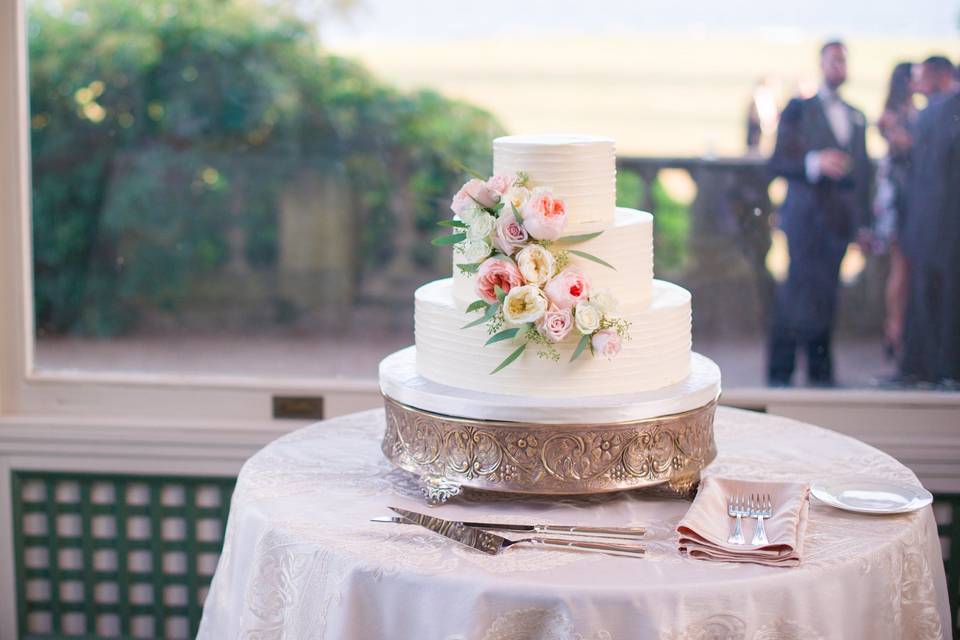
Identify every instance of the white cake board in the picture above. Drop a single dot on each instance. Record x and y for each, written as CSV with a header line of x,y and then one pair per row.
x,y
400,381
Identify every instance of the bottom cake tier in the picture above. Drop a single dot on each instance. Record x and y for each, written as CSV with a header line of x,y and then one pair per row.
x,y
532,456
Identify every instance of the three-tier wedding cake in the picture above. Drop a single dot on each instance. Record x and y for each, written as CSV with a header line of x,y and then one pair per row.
x,y
551,337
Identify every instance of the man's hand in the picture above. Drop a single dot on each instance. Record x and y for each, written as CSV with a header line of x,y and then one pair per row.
x,y
834,163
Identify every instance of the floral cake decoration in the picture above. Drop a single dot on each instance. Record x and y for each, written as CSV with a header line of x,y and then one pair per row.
x,y
509,235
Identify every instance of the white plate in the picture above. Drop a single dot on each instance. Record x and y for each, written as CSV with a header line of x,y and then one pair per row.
x,y
867,495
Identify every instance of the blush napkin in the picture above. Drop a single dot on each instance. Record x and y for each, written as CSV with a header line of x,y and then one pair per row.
x,y
704,530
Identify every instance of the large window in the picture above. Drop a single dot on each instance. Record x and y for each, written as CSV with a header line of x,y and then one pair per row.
x,y
248,188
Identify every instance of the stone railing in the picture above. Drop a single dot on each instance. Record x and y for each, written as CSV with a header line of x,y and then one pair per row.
x,y
731,222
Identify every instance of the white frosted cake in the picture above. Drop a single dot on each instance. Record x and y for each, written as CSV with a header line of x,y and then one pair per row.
x,y
552,294
551,362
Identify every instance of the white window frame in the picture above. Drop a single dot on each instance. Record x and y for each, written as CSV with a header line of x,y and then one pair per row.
x,y
233,402
71,395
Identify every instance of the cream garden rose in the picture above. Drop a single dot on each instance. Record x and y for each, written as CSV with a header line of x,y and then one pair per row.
x,y
515,197
604,300
587,318
536,264
524,304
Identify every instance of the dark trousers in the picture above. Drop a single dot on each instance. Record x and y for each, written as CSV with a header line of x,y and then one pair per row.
x,y
805,307
931,332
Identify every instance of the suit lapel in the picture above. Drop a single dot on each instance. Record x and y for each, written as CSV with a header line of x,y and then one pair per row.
x,y
821,116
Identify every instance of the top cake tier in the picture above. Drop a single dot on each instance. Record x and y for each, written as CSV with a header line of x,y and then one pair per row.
x,y
580,170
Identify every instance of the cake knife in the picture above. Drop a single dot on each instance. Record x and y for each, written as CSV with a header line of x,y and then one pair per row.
x,y
614,533
493,544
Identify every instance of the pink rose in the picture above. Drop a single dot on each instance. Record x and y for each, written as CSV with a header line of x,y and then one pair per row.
x,y
509,234
493,273
567,288
543,215
606,342
500,184
472,193
556,324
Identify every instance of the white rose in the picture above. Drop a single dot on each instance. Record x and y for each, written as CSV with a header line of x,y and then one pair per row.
x,y
605,301
471,212
524,304
587,317
475,250
481,226
536,264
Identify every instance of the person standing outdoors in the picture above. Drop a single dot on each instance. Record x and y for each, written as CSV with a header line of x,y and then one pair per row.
x,y
896,125
925,238
821,151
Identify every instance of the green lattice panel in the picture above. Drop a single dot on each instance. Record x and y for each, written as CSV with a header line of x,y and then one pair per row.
x,y
115,556
947,509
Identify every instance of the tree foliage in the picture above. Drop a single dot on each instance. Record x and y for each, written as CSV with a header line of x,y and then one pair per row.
x,y
159,125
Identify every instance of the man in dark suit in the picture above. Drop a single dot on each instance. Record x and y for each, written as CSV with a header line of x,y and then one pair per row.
x,y
821,151
929,237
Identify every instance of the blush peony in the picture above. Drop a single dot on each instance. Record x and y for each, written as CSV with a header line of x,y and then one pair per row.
x,y
493,273
606,343
543,215
567,288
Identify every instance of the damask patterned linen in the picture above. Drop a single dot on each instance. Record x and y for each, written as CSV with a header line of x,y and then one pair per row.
x,y
302,561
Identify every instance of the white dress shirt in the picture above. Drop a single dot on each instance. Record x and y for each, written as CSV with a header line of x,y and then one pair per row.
x,y
840,121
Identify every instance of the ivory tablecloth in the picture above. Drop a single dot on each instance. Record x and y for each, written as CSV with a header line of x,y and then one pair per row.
x,y
301,559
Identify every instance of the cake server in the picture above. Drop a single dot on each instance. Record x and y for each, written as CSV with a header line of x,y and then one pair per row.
x,y
493,544
614,533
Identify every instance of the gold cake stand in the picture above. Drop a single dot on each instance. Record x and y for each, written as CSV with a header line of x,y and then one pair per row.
x,y
665,453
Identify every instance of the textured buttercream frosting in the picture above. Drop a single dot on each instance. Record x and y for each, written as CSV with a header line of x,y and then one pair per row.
x,y
580,170
657,355
627,246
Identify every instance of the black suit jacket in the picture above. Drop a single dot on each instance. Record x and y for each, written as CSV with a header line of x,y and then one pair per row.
x,y
838,207
930,231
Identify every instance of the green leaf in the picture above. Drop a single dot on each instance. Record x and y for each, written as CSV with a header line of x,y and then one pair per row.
x,y
469,267
453,223
501,294
506,334
589,256
473,174
476,305
516,213
453,238
510,358
583,237
584,341
487,315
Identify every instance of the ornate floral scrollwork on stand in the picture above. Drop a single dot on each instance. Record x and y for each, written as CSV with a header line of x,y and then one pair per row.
x,y
449,453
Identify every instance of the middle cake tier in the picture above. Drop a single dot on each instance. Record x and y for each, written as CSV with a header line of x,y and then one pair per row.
x,y
657,355
627,245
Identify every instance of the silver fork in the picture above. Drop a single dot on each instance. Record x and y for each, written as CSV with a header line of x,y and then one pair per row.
x,y
761,506
737,508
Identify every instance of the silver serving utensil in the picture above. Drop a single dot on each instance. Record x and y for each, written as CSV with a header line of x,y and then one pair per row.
x,y
737,508
761,506
493,544
612,533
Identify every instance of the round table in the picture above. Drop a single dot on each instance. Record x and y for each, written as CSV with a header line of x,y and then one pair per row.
x,y
302,560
